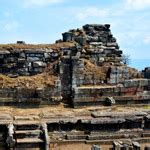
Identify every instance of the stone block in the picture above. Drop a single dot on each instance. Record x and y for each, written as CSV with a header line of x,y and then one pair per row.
x,y
136,146
37,64
68,36
112,44
96,147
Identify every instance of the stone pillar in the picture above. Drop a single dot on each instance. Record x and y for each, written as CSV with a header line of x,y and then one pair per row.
x,y
46,136
77,72
10,138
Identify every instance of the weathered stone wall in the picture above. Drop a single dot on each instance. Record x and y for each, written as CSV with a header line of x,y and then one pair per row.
x,y
146,72
89,71
128,92
45,95
25,62
98,43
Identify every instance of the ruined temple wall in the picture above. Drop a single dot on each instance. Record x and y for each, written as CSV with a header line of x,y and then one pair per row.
x,y
128,92
45,95
25,61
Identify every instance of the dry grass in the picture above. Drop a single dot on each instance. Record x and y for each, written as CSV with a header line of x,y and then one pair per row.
x,y
134,73
99,72
32,82
56,46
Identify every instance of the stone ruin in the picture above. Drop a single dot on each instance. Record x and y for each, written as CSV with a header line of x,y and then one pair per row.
x,y
85,68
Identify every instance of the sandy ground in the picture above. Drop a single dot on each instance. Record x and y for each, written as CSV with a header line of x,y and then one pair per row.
x,y
64,109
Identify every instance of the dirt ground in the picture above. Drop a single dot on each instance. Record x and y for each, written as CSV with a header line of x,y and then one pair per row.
x,y
63,109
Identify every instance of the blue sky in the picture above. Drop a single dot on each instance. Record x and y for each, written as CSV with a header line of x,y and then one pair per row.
x,y
43,21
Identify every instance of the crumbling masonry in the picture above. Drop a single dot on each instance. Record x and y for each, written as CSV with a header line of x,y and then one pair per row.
x,y
85,68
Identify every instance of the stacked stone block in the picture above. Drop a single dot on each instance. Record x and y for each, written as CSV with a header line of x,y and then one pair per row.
x,y
128,92
118,74
98,46
25,61
146,72
38,96
98,42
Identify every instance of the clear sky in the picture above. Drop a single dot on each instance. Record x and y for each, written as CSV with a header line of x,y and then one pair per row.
x,y
43,21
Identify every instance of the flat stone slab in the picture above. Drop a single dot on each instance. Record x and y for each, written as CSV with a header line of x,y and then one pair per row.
x,y
28,118
6,116
29,140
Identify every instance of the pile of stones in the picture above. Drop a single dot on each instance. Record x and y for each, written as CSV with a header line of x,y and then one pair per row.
x,y
98,42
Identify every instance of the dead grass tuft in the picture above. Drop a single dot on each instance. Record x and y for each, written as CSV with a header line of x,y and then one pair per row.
x,y
99,72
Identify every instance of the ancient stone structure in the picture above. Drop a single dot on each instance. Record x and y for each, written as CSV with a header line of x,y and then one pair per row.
x,y
86,71
85,68
48,131
98,70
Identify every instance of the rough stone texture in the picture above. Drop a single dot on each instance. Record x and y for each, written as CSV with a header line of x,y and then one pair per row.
x,y
85,68
146,72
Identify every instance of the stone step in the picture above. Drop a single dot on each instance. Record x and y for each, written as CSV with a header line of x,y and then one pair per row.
x,y
5,116
6,99
143,140
113,136
28,133
26,122
146,134
29,140
27,118
27,125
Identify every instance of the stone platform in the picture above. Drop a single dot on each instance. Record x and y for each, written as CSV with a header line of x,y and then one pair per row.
x,y
55,127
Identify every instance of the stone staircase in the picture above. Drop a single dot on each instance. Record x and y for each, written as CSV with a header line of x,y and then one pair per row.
x,y
29,135
25,133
